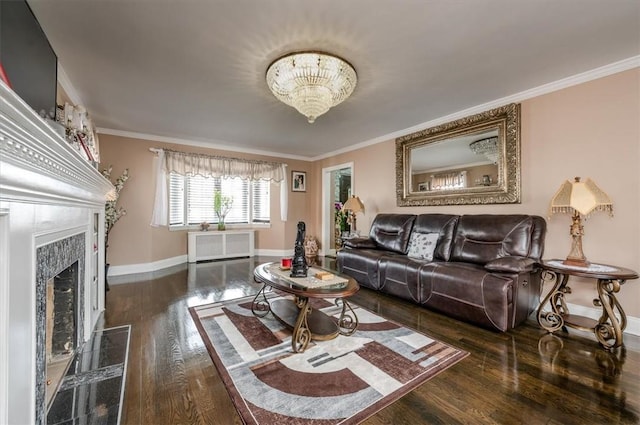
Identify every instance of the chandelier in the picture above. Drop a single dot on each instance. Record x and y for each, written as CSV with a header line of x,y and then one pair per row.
x,y
311,82
487,147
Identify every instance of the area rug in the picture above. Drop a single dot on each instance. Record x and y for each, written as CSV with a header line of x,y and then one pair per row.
x,y
340,381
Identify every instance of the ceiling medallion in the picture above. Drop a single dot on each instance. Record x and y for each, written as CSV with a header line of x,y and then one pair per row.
x,y
311,82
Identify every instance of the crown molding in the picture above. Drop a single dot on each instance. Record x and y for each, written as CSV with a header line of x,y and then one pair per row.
x,y
203,144
594,74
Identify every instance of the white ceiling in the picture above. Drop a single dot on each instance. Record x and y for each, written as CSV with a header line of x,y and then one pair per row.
x,y
195,69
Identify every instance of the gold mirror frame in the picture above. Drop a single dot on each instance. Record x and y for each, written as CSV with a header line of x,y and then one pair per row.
x,y
506,190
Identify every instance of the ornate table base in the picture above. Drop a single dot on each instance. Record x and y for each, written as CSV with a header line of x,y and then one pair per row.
x,y
306,322
612,322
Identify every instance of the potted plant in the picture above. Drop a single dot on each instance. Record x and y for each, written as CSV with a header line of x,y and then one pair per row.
x,y
341,223
342,217
221,206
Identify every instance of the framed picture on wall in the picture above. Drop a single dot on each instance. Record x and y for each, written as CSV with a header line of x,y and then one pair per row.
x,y
298,181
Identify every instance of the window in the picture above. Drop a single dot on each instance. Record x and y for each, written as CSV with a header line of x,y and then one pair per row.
x,y
191,200
447,181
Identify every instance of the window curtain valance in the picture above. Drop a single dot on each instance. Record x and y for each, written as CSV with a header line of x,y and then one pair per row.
x,y
445,181
168,161
192,164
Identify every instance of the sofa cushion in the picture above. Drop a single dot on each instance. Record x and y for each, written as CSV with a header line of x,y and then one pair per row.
x,y
422,245
444,225
399,276
362,265
482,238
359,243
511,264
468,292
391,231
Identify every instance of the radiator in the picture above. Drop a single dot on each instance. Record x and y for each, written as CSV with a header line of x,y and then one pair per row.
x,y
216,245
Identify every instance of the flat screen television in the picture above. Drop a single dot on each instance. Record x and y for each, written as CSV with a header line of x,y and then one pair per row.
x,y
29,62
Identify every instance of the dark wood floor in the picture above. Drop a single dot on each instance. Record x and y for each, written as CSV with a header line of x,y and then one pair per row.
x,y
524,376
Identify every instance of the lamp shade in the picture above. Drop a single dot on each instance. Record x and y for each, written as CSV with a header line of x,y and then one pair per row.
x,y
581,197
354,204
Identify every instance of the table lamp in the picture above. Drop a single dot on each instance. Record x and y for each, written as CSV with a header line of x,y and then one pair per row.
x,y
580,199
353,205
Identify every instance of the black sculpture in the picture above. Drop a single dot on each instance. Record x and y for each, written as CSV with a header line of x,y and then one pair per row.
x,y
299,265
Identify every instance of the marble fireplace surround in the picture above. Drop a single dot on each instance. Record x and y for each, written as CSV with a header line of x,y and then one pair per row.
x,y
51,215
51,259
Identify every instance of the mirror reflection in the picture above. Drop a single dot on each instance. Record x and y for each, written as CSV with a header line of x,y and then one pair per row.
x,y
456,163
474,160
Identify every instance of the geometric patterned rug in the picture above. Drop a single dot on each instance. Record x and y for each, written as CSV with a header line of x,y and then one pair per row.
x,y
340,381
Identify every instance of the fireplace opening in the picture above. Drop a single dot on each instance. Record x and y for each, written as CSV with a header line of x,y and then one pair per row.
x,y
62,326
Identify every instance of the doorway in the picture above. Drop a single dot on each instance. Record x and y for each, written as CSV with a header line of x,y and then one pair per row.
x,y
337,186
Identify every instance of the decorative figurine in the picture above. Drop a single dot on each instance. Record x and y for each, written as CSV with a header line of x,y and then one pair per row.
x,y
299,266
310,250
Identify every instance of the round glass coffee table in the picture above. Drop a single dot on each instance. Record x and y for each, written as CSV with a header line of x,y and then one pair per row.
x,y
306,322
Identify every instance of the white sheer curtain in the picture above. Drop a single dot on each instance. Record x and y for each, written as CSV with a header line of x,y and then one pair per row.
x,y
284,194
168,161
160,215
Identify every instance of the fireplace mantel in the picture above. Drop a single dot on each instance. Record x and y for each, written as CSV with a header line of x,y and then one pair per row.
x,y
48,193
38,165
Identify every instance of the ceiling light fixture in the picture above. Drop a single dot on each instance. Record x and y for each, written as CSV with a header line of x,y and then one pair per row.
x,y
487,147
311,82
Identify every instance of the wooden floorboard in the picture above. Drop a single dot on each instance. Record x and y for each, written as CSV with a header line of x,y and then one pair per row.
x,y
524,376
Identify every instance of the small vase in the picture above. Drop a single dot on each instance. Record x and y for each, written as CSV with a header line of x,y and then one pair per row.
x,y
221,226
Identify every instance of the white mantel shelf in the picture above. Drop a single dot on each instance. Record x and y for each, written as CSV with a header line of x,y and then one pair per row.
x,y
37,164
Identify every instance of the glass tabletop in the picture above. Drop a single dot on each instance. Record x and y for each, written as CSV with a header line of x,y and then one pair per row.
x,y
339,287
593,270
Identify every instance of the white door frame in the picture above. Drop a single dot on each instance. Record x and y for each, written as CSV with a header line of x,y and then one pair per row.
x,y
327,204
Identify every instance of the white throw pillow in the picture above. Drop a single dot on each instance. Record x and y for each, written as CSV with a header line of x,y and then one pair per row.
x,y
422,245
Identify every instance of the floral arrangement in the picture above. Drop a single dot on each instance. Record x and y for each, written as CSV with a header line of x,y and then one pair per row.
x,y
221,206
112,212
342,217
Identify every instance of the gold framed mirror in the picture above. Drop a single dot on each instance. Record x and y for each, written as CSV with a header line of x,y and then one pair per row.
x,y
473,160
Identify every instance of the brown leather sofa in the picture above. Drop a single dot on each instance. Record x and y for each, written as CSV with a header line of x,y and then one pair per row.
x,y
484,268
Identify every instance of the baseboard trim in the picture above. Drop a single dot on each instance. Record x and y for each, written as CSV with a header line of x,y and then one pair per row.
x,y
146,267
274,252
633,323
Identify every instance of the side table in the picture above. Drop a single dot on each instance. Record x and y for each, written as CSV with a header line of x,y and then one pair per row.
x,y
612,322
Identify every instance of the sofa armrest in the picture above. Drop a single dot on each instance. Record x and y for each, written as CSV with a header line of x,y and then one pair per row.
x,y
511,264
359,243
